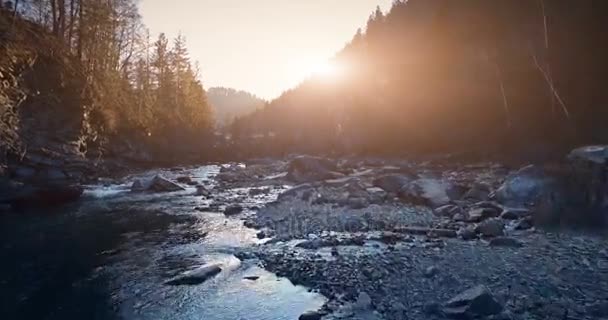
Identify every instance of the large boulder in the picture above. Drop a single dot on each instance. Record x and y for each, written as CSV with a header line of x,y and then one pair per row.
x,y
525,187
473,303
156,184
307,169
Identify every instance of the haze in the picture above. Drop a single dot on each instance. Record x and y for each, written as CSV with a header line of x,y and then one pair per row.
x,y
263,47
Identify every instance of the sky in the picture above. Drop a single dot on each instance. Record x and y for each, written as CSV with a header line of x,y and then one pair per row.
x,y
261,46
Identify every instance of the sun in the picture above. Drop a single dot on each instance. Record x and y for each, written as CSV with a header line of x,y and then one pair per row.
x,y
319,69
324,69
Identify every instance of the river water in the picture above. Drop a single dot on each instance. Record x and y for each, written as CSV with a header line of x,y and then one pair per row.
x,y
109,255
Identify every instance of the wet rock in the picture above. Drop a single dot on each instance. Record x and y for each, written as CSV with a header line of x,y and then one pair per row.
x,y
472,303
515,213
233,210
481,214
157,184
598,309
506,242
308,168
392,183
310,315
442,233
196,276
491,228
24,173
44,195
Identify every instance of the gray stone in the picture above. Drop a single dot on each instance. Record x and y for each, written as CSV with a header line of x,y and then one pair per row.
x,y
233,210
525,186
156,184
479,191
472,303
310,315
595,154
24,173
480,214
308,169
491,228
515,213
196,276
430,271
506,242
426,191
467,233
447,211
391,183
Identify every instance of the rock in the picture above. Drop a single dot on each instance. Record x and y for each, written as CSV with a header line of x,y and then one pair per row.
x,y
515,213
357,203
308,169
54,174
43,195
251,278
525,186
467,233
233,210
196,276
430,271
594,154
442,233
491,228
479,191
391,183
598,309
447,211
257,191
481,214
523,224
472,303
202,191
184,179
24,173
310,315
506,242
157,184
426,191
364,301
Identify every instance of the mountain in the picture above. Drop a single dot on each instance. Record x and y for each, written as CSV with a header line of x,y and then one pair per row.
x,y
453,76
229,104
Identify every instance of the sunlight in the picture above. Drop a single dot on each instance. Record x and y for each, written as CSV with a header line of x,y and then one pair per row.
x,y
325,70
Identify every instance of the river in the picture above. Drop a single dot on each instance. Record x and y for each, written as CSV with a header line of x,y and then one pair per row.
x,y
109,255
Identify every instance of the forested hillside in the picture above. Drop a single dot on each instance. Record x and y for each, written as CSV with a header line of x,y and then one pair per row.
x,y
85,76
434,75
229,104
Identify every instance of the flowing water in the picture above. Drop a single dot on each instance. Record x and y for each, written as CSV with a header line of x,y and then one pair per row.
x,y
109,256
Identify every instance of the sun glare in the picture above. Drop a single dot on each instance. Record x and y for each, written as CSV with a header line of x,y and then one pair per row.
x,y
324,70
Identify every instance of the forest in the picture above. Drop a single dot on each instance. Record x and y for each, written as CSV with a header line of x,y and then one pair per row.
x,y
107,74
430,76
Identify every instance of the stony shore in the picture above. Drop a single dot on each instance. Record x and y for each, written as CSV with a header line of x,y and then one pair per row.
x,y
403,240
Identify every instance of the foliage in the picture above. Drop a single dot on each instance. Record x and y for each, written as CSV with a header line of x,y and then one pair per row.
x,y
434,75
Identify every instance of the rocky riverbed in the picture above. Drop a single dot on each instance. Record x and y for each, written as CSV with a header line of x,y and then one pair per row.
x,y
369,238
406,240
